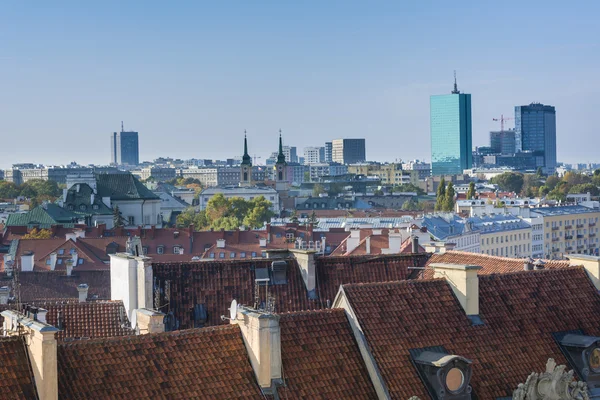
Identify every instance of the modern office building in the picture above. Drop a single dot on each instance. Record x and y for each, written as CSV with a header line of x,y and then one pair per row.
x,y
291,154
451,137
503,142
535,131
124,148
312,155
348,151
328,152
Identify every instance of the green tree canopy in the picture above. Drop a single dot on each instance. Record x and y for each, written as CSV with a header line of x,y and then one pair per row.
x,y
509,181
441,195
471,192
585,188
449,198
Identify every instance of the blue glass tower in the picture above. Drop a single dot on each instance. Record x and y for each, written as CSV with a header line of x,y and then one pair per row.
x,y
451,135
535,131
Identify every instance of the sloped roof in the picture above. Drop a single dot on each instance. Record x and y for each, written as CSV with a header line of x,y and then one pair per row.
x,y
488,264
45,216
17,377
56,285
81,195
519,310
204,363
320,357
122,187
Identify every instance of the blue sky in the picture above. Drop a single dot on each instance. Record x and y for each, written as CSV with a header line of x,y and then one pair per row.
x,y
191,76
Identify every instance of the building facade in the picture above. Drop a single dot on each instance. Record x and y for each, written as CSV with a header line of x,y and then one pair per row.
x,y
503,142
312,155
451,133
328,152
535,131
348,151
124,148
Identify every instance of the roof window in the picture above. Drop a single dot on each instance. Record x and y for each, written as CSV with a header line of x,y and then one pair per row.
x,y
583,354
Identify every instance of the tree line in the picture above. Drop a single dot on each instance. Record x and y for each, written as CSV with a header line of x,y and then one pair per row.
x,y
445,196
36,190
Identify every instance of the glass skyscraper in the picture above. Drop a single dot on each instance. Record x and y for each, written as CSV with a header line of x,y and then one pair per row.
x,y
535,131
124,148
451,136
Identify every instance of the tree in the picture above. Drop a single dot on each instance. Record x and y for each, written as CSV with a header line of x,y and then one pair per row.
x,y
531,184
117,218
585,188
509,181
8,190
260,212
539,172
574,178
318,189
441,195
217,207
38,234
471,191
413,205
294,217
190,216
378,192
449,198
313,220
408,188
306,176
552,181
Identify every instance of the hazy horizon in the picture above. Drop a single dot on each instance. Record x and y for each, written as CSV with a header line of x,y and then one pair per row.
x,y
191,78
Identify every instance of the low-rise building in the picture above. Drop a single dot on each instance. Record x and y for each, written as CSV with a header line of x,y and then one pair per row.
x,y
247,193
503,235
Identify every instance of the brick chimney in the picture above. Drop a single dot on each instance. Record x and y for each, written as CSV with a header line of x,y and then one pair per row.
x,y
41,347
262,337
82,289
149,321
464,283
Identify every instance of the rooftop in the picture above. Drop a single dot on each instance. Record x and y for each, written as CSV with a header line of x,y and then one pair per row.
x,y
563,210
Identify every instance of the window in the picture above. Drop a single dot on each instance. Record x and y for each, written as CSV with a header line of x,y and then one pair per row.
x,y
253,254
243,254
160,250
71,251
48,261
80,261
263,254
232,255
221,255
82,207
175,249
145,250
61,251
59,261
130,220
272,198
212,255
95,207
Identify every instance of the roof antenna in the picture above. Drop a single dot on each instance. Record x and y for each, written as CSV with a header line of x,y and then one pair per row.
x,y
122,130
455,91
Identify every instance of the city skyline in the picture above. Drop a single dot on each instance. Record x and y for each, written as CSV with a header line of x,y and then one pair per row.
x,y
181,79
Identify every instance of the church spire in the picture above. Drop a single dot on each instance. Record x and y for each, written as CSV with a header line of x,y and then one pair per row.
x,y
280,155
246,160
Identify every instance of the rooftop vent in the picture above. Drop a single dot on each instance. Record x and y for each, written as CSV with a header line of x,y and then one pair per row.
x,y
279,270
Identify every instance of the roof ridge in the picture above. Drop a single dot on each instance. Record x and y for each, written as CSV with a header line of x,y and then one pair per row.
x,y
290,314
399,283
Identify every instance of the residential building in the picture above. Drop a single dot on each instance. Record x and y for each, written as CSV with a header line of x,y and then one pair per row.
x,y
348,151
312,155
535,131
318,171
328,152
291,154
159,174
423,168
503,235
451,136
569,230
450,228
124,148
296,173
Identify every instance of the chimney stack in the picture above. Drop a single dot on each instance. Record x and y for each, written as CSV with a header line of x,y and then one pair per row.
x,y
464,283
539,264
27,261
528,264
53,258
69,266
149,321
368,244
306,263
83,292
262,337
415,244
4,294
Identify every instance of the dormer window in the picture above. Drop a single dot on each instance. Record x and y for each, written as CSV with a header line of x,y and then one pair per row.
x,y
61,251
446,376
583,354
145,250
82,207
176,249
160,250
95,207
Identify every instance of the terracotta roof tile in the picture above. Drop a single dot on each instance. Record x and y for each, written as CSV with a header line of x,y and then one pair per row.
x,y
56,285
321,359
489,264
17,377
204,363
520,312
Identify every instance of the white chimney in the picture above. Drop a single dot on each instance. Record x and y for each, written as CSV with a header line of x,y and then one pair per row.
x,y
82,288
464,283
41,315
220,243
27,261
394,242
69,266
368,244
92,198
131,282
80,233
106,201
262,337
53,258
75,257
353,240
4,294
149,321
306,263
262,242
71,236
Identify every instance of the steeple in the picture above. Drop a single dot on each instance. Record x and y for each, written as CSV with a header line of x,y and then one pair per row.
x,y
280,155
455,91
246,160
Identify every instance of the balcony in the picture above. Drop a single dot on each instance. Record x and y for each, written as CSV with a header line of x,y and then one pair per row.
x,y
555,239
592,224
579,247
579,236
555,249
579,226
568,226
592,234
555,228
568,248
592,245
568,237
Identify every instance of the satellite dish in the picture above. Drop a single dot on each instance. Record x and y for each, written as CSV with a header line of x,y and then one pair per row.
x,y
134,319
233,310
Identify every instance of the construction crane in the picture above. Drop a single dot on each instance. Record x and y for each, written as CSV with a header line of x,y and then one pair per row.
x,y
255,158
501,119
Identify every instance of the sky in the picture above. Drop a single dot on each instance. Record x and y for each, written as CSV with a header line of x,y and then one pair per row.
x,y
191,76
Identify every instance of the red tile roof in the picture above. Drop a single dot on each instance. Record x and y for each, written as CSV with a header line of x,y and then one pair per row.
x,y
204,363
520,312
489,264
17,377
321,359
56,285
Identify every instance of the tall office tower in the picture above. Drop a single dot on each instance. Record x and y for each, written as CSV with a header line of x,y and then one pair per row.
x,y
348,151
312,155
503,142
124,148
451,137
290,153
328,152
535,131
321,154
